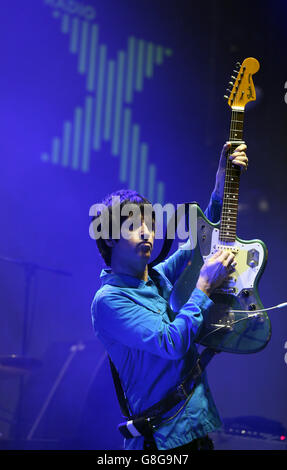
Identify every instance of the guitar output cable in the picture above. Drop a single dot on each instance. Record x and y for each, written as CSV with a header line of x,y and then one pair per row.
x,y
255,313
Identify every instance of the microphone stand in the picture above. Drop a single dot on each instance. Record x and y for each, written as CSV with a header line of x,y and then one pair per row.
x,y
30,270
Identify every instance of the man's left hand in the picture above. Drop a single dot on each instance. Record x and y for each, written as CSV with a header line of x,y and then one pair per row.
x,y
238,158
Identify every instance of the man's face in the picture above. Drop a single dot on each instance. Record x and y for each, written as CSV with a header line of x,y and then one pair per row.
x,y
137,240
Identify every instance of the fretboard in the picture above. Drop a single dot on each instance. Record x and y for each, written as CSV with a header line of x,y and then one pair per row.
x,y
228,222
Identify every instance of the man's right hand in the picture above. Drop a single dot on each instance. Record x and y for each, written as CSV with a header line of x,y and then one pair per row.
x,y
215,270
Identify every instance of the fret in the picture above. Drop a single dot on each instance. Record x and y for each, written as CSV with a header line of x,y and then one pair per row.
x,y
232,191
230,205
226,214
227,225
226,239
229,235
229,232
235,130
229,228
232,171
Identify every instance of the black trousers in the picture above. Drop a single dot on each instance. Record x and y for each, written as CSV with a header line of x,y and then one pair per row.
x,y
202,443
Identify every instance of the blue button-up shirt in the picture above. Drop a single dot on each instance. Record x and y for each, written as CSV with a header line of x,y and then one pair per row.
x,y
154,348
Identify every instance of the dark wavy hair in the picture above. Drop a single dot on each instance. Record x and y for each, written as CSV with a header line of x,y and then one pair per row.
x,y
124,196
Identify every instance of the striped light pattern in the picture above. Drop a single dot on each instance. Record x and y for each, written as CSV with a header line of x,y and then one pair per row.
x,y
106,115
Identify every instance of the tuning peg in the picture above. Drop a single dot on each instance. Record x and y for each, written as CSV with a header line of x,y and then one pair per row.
x,y
226,97
238,65
233,78
231,83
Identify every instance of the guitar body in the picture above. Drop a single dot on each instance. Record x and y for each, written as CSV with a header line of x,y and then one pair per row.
x,y
230,325
224,329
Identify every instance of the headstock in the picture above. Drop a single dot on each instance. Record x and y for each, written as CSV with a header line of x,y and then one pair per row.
x,y
242,84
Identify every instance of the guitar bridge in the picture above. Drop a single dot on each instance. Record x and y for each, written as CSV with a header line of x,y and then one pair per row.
x,y
233,249
226,290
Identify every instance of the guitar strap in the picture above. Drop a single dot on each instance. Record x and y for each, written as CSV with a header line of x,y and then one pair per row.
x,y
144,423
119,390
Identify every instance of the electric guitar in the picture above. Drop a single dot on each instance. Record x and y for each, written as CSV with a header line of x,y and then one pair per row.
x,y
230,325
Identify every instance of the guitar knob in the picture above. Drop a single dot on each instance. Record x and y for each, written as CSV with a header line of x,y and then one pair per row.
x,y
245,292
252,307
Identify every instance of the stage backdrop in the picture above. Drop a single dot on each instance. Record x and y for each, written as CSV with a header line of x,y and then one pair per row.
x,y
102,95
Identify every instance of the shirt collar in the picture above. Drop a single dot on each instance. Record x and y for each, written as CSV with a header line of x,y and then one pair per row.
x,y
122,280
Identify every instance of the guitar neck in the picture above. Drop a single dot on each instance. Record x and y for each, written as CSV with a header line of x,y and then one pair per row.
x,y
229,213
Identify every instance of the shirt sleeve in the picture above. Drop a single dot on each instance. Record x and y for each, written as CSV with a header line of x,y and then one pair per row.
x,y
120,319
173,266
213,210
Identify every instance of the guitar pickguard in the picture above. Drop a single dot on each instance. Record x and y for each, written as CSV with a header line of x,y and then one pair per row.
x,y
249,257
224,328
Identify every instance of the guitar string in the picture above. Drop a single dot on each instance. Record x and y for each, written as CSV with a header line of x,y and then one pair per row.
x,y
228,185
227,188
231,187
